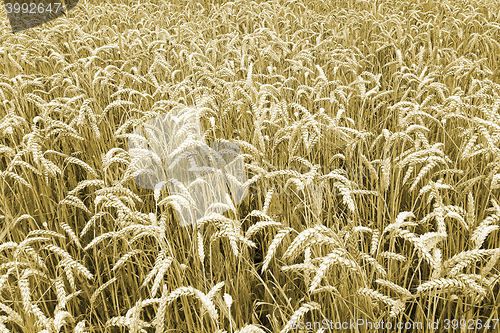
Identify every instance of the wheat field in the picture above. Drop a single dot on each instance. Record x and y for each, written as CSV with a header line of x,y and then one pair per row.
x,y
370,141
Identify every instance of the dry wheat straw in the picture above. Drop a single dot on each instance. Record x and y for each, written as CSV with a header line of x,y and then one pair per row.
x,y
268,95
124,259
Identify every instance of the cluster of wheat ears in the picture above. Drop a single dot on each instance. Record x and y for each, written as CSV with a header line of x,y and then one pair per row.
x,y
378,120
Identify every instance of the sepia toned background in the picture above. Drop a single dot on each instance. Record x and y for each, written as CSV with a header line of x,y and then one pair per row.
x,y
378,121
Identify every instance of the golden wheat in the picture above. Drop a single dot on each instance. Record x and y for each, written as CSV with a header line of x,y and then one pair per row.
x,y
369,134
